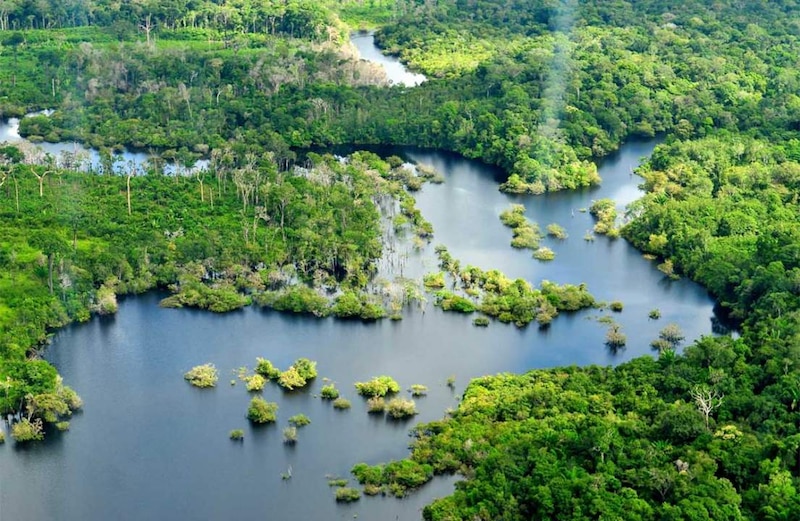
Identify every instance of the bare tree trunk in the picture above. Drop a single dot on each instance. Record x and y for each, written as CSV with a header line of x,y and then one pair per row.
x,y
128,186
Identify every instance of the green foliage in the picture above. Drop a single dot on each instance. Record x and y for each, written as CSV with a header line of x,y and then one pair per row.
x,y
255,382
654,314
265,368
526,233
305,368
202,376
396,477
261,411
401,408
338,482
616,306
556,231
329,392
236,435
544,253
481,321
347,494
378,386
376,405
290,435
299,420
26,430
341,403
291,379
605,211
449,301
418,390
615,338
433,280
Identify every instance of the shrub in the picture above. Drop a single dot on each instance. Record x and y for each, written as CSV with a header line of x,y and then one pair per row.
x,y
265,368
255,382
341,403
481,321
236,435
305,368
2,437
433,280
544,254
616,306
338,482
418,390
557,231
27,430
298,299
654,314
451,302
329,392
62,426
615,338
299,420
290,435
376,405
202,376
401,408
262,411
347,495
378,386
451,381
291,379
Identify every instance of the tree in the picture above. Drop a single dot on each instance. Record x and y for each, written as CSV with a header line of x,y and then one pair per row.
x,y
52,246
707,400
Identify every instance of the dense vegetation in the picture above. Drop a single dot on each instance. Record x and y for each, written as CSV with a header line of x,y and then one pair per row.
x,y
537,87
72,242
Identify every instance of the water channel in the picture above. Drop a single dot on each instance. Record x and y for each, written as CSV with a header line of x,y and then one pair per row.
x,y
149,446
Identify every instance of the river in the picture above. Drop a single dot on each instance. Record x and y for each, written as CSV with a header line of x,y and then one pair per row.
x,y
149,446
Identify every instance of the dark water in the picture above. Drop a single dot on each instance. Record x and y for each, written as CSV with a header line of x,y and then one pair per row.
x,y
395,70
149,446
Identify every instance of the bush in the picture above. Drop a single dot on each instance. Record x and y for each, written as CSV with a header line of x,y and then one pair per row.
x,y
418,390
202,376
26,430
299,420
616,306
290,435
481,321
557,231
615,338
62,426
401,408
236,435
2,437
654,314
265,368
376,405
305,368
347,495
544,254
433,280
329,392
262,411
255,382
338,482
298,299
341,403
291,379
451,302
378,386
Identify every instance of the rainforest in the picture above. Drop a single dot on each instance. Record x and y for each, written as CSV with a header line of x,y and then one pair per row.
x,y
560,248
